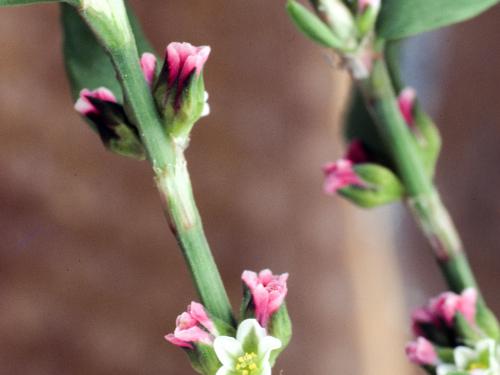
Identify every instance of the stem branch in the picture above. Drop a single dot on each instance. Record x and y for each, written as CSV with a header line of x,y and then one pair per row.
x,y
422,197
166,157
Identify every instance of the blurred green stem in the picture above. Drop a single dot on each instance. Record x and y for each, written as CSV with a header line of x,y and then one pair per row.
x,y
108,20
422,197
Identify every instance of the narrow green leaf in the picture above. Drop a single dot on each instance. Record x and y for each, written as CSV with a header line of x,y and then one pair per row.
x,y
87,63
9,3
311,25
403,18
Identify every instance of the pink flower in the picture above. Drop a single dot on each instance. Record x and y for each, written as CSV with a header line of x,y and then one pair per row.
x,y
443,308
339,175
268,292
148,66
84,105
193,326
406,102
421,352
182,59
448,304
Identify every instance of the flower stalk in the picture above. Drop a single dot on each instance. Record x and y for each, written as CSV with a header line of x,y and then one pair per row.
x,y
423,199
108,20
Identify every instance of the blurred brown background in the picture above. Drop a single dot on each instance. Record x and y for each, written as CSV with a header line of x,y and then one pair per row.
x,y
90,277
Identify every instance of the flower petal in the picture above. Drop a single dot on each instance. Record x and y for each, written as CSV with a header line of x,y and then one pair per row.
x,y
266,368
267,345
225,371
246,327
227,349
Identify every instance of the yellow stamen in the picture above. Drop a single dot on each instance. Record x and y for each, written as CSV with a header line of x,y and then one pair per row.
x,y
245,364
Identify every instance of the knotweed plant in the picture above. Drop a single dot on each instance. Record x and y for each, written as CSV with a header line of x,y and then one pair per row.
x,y
144,105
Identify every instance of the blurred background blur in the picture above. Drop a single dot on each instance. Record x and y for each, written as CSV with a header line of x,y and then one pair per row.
x,y
90,276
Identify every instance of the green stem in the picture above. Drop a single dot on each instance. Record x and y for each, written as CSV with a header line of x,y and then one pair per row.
x,y
111,26
423,199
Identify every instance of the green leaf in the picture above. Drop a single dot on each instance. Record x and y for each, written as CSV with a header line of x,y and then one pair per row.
x,y
9,3
87,63
312,26
403,18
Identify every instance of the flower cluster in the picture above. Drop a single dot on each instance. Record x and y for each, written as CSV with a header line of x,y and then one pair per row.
x,y
178,90
455,334
214,348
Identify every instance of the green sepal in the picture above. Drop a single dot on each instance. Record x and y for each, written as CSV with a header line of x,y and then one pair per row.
x,y
445,354
382,186
203,359
115,130
403,18
180,121
487,321
465,331
427,138
312,26
280,326
247,308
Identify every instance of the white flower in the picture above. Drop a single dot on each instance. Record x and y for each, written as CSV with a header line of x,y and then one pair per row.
x,y
248,353
484,359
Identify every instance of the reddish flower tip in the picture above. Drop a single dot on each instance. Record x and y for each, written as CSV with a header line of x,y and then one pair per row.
x,y
148,66
338,175
193,326
406,101
421,352
183,59
84,106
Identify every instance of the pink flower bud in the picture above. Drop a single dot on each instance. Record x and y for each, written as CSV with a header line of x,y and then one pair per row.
x,y
268,292
422,316
340,174
85,107
406,102
421,352
448,304
193,326
440,312
182,59
148,66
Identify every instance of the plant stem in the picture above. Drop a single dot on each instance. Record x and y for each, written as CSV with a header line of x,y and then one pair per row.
x,y
166,157
422,197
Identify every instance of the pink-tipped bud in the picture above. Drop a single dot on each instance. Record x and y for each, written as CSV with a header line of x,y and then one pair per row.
x,y
448,304
193,326
421,352
148,66
85,107
340,174
182,60
406,102
268,292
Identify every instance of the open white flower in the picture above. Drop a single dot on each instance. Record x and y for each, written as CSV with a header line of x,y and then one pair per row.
x,y
482,360
248,353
